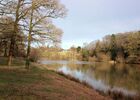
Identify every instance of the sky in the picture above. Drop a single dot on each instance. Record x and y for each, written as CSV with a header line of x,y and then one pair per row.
x,y
90,20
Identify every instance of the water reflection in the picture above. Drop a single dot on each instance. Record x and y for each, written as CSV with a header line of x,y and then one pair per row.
x,y
97,84
104,76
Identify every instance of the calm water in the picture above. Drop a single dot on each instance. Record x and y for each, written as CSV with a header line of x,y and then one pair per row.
x,y
102,76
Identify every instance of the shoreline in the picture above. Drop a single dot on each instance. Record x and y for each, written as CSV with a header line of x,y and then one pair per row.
x,y
109,61
60,78
42,84
109,93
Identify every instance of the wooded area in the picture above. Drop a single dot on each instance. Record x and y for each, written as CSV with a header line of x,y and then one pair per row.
x,y
25,23
121,47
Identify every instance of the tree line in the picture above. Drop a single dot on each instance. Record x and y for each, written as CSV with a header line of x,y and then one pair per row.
x,y
121,47
25,23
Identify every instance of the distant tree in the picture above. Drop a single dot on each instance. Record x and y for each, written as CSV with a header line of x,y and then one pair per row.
x,y
35,54
113,47
85,54
78,49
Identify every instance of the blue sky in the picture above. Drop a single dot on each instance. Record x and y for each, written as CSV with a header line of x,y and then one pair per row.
x,y
89,20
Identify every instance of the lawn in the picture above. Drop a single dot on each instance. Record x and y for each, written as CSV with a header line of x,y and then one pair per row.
x,y
17,83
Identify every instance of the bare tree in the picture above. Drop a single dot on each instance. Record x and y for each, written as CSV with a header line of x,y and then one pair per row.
x,y
6,34
16,9
39,24
34,18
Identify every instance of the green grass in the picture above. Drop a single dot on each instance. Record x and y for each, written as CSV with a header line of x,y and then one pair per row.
x,y
17,83
21,84
15,62
14,76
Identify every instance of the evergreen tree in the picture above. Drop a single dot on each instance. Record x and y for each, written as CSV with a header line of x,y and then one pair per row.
x,y
113,48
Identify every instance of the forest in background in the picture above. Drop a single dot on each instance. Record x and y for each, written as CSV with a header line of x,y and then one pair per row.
x,y
121,47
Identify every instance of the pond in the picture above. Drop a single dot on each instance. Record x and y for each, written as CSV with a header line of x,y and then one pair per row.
x,y
104,77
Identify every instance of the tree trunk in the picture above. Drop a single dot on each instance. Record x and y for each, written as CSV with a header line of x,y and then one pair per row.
x,y
29,41
11,51
28,52
5,50
13,39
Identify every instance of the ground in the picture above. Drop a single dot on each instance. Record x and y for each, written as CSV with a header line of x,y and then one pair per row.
x,y
37,84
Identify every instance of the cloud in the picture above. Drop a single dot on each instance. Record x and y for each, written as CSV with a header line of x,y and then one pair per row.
x,y
92,19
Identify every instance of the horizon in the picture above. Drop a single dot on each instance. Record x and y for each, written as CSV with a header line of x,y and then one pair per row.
x,y
91,20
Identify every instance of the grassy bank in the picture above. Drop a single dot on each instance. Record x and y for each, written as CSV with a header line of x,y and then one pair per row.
x,y
115,95
17,83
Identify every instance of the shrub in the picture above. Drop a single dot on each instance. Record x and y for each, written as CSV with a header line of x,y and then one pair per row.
x,y
35,55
